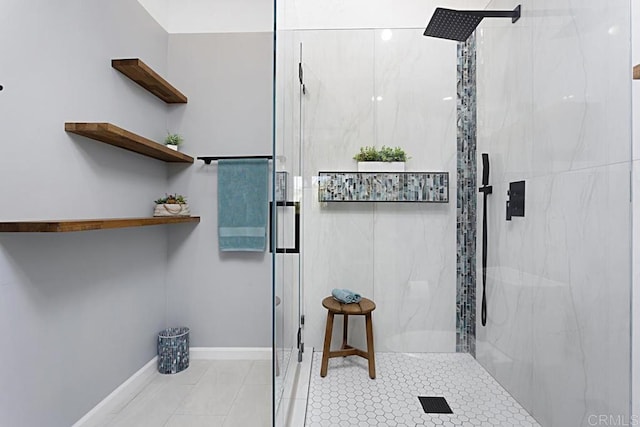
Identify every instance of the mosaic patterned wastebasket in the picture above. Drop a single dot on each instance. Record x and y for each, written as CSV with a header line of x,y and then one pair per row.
x,y
173,350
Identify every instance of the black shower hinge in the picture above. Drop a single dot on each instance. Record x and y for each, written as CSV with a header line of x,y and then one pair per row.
x,y
301,78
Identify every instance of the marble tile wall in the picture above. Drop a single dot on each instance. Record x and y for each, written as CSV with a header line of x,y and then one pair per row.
x,y
554,110
355,14
363,90
635,60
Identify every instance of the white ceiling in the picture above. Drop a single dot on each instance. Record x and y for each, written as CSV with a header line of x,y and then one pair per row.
x,y
211,16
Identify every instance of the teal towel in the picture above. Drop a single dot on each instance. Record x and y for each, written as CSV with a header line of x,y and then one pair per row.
x,y
243,204
346,296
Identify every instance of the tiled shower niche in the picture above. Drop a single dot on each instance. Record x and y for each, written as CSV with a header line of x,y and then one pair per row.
x,y
422,187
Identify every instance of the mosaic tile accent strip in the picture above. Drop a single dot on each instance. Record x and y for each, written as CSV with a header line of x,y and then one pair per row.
x,y
425,187
466,199
281,186
348,397
173,350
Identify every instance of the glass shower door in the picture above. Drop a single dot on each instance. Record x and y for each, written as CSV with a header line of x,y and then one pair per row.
x,y
287,244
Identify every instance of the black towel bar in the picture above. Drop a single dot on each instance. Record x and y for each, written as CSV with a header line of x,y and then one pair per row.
x,y
208,159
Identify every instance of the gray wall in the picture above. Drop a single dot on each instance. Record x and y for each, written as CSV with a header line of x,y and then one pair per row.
x,y
223,297
71,304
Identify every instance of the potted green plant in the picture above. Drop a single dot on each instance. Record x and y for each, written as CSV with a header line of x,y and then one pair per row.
x,y
386,159
172,205
173,141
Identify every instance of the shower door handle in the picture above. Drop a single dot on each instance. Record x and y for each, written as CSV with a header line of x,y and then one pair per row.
x,y
273,242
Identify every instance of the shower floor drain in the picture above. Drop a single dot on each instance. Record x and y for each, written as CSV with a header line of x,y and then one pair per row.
x,y
435,405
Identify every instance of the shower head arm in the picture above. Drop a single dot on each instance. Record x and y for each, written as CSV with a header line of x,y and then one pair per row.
x,y
513,14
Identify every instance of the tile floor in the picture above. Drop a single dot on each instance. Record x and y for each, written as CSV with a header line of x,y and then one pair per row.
x,y
211,393
347,397
237,393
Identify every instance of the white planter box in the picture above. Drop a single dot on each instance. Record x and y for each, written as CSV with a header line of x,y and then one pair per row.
x,y
380,166
171,209
172,147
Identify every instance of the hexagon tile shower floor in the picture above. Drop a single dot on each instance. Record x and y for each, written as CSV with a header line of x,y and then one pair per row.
x,y
347,397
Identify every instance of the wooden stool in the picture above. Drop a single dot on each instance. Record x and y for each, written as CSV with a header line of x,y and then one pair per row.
x,y
363,308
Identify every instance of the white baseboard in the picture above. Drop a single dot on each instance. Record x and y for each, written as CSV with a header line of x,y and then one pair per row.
x,y
134,381
230,353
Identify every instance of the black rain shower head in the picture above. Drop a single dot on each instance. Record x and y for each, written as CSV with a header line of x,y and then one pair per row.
x,y
459,24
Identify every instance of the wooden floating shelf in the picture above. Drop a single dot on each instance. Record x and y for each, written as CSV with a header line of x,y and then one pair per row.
x,y
62,226
113,135
142,74
636,72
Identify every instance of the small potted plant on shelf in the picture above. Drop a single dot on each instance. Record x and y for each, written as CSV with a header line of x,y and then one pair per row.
x,y
173,141
172,205
386,159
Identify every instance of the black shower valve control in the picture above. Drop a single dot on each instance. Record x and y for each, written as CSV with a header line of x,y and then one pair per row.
x,y
515,201
486,189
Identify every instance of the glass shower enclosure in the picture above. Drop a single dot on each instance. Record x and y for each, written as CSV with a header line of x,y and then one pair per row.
x,y
549,100
287,247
